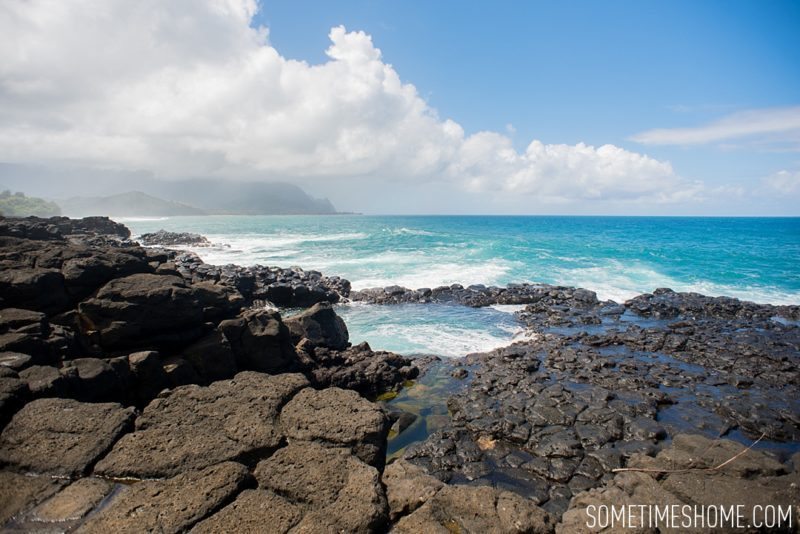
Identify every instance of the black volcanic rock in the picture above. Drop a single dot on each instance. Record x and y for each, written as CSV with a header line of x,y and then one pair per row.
x,y
143,309
170,239
320,326
358,367
260,341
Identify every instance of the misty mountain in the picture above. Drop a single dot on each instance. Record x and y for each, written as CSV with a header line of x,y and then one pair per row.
x,y
19,205
130,204
207,195
250,198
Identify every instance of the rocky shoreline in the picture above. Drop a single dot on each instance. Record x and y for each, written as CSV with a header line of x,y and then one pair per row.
x,y
144,390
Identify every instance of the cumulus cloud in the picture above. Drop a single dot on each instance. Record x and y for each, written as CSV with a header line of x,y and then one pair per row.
x,y
784,182
770,125
188,87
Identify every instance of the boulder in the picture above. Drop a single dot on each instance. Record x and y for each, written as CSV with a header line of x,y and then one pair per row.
x,y
336,417
15,360
14,393
359,368
62,436
193,427
211,358
260,342
321,326
408,487
339,492
172,505
46,381
87,269
170,239
153,310
34,289
96,380
25,321
34,345
180,372
148,375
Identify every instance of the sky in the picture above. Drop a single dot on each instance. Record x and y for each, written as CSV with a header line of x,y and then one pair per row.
x,y
625,107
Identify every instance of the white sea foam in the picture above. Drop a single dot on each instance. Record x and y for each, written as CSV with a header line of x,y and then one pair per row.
x,y
620,281
138,219
442,274
410,231
441,339
508,308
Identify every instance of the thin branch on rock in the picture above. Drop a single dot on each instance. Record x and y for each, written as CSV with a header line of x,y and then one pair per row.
x,y
689,469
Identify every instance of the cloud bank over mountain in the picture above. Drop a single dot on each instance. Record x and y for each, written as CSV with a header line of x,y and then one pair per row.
x,y
190,88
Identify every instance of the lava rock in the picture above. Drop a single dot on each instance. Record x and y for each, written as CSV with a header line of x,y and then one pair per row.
x,y
320,326
62,436
193,427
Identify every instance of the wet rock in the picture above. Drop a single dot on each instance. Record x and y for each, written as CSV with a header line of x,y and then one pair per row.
x,y
15,360
336,417
403,421
62,436
340,493
320,326
359,368
291,287
476,509
172,505
170,239
68,505
19,493
192,427
251,512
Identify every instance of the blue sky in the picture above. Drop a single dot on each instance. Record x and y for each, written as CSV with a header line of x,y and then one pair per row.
x,y
566,72
623,107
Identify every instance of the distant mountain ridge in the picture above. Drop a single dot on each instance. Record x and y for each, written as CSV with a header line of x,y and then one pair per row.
x,y
130,204
248,198
201,197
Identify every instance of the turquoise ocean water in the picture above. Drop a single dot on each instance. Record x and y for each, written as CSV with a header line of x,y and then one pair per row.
x,y
618,257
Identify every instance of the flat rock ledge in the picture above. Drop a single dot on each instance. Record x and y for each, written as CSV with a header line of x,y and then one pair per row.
x,y
754,479
62,437
193,427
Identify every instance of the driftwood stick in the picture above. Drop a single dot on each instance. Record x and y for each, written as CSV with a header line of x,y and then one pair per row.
x,y
690,469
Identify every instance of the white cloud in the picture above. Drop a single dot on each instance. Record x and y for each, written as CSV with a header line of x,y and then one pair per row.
x,y
187,87
773,125
785,182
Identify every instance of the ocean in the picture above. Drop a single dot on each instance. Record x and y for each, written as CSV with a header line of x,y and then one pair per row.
x,y
754,259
